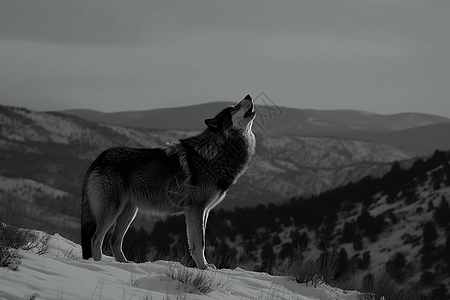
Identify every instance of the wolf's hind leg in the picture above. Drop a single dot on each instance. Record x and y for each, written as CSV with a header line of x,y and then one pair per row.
x,y
122,224
104,222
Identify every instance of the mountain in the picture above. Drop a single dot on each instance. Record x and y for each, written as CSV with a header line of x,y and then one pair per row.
x,y
422,140
277,120
408,131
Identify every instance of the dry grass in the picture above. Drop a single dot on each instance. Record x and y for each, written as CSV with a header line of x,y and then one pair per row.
x,y
13,237
193,280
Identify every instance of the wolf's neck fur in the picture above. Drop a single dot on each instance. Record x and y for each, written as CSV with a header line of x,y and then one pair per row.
x,y
210,146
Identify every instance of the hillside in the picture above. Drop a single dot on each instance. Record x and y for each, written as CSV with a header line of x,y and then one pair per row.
x,y
401,221
410,132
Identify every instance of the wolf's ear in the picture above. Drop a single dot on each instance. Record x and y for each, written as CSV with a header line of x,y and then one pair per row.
x,y
213,124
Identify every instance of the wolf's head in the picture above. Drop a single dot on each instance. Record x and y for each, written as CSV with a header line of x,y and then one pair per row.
x,y
239,117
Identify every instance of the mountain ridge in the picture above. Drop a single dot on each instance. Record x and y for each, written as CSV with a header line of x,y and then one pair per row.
x,y
406,131
211,108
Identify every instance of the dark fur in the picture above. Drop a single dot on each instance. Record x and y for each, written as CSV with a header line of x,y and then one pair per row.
x,y
189,177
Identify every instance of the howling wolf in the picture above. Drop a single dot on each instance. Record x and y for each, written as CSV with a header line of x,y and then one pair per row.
x,y
189,176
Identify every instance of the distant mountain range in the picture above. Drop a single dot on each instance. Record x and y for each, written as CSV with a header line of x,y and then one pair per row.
x,y
55,149
411,132
44,155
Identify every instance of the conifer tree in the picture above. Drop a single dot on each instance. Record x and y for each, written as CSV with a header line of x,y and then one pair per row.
x,y
429,236
442,213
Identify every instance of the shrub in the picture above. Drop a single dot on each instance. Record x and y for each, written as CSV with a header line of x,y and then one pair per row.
x,y
9,258
383,286
25,239
192,280
12,218
314,268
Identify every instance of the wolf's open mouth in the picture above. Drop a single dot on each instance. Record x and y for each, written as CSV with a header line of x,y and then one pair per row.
x,y
250,112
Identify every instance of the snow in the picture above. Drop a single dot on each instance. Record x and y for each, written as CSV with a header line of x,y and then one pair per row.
x,y
287,164
267,166
312,120
62,274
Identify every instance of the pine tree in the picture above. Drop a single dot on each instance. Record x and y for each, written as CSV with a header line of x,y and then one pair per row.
x,y
442,213
429,236
396,266
348,232
357,242
267,252
267,257
287,251
430,205
342,263
364,263
365,221
447,252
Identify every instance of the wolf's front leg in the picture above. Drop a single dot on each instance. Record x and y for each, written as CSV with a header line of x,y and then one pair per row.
x,y
196,236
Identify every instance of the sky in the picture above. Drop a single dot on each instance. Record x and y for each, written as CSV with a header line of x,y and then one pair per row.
x,y
382,56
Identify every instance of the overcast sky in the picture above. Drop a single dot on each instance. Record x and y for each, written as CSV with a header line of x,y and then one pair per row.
x,y
383,56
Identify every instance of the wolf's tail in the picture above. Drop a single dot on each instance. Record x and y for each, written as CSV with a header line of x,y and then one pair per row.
x,y
88,225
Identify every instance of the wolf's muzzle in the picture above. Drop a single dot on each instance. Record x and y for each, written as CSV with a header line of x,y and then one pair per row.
x,y
250,113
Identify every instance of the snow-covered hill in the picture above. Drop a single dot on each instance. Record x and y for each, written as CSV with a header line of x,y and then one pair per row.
x,y
61,274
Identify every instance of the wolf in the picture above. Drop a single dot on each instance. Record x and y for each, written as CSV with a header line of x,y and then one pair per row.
x,y
189,176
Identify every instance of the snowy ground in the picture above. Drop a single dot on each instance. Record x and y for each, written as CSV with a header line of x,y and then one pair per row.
x,y
62,275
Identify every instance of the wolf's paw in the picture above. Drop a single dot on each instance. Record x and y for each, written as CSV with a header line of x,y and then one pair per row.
x,y
210,267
